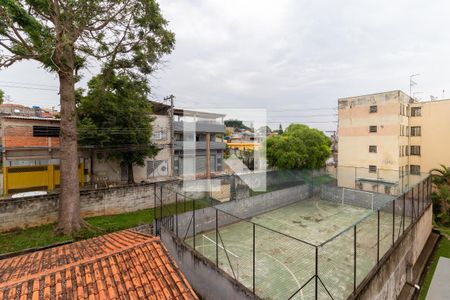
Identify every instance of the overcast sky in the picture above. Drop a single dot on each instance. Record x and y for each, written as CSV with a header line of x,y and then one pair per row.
x,y
294,58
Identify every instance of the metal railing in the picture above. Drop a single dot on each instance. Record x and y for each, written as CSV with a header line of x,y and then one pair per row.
x,y
261,257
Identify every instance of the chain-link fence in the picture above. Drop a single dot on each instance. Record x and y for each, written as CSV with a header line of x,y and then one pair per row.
x,y
275,265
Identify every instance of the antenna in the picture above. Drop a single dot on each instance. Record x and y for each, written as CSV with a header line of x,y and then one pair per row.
x,y
412,83
415,93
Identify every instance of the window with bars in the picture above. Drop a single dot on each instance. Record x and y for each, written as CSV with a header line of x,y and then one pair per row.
x,y
372,169
416,111
373,109
415,150
373,149
414,169
373,128
49,131
416,131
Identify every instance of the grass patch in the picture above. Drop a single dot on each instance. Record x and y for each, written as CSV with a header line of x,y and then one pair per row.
x,y
41,236
443,250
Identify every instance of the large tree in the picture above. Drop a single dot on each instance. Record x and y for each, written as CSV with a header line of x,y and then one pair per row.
x,y
131,35
122,127
2,96
298,147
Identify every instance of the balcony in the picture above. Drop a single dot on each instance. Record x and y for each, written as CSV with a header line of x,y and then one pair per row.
x,y
178,145
213,127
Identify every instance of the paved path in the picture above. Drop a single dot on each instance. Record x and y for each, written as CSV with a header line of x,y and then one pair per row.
x,y
440,284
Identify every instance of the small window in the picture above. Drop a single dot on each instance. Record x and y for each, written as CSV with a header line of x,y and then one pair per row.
x,y
373,149
416,131
373,128
373,109
416,111
414,169
372,169
406,150
387,190
48,131
415,150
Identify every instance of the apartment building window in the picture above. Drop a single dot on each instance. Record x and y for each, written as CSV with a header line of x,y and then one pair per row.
x,y
373,149
406,150
373,128
373,109
416,131
48,131
407,131
372,169
414,169
415,150
416,111
402,131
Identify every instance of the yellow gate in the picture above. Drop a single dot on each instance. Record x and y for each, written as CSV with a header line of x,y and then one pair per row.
x,y
34,177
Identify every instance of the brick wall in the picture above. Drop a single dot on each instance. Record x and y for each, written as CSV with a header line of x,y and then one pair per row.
x,y
34,211
19,133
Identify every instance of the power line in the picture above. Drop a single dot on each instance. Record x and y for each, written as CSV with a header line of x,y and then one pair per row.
x,y
28,84
29,88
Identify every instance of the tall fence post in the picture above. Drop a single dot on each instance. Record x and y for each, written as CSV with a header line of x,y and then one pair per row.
x,y
254,258
354,258
217,238
317,272
378,237
176,214
393,222
404,212
423,195
161,200
418,200
193,220
155,209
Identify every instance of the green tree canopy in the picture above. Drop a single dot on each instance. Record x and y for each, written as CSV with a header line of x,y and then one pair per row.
x,y
115,115
236,124
62,35
298,147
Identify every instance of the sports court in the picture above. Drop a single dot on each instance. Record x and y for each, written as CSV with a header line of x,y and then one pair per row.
x,y
285,241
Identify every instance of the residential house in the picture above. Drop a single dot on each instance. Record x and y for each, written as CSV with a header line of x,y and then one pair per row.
x,y
30,153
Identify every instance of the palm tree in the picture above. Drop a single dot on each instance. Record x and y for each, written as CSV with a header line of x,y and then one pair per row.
x,y
441,176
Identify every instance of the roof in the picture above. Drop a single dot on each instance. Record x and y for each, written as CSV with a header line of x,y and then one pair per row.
x,y
200,114
119,265
31,118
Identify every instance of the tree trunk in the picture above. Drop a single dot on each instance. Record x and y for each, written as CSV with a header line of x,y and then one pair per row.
x,y
69,219
130,173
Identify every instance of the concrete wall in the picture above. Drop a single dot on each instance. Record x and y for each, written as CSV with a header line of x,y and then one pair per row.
x,y
244,208
390,278
354,197
434,141
207,280
33,211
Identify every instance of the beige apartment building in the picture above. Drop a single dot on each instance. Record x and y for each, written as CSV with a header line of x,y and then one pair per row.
x,y
388,141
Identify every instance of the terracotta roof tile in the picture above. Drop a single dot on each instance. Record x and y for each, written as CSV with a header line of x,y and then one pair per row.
x,y
121,265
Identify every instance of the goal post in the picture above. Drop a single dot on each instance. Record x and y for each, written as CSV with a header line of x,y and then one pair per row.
x,y
357,198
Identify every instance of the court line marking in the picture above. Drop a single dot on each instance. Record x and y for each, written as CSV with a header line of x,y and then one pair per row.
x,y
270,256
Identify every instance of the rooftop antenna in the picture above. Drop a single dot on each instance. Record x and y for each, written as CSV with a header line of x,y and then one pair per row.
x,y
412,83
415,93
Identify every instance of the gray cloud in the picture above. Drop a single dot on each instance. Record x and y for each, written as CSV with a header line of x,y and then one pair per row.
x,y
285,55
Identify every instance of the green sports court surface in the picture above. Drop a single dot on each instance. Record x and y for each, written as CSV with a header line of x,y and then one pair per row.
x,y
284,264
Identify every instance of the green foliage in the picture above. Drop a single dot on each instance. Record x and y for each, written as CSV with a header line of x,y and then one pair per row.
x,y
443,250
441,176
441,195
129,35
44,235
2,96
236,124
116,115
298,147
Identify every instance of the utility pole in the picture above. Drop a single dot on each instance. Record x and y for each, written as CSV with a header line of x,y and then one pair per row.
x,y
171,130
